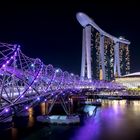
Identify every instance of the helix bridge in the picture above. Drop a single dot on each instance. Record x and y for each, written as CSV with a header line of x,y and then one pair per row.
x,y
25,81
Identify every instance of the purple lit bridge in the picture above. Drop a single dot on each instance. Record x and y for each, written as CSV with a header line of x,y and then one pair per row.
x,y
25,82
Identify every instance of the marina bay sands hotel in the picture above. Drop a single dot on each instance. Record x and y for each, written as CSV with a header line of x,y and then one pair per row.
x,y
104,56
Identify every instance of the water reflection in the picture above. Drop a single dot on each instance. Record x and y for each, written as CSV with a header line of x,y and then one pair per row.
x,y
44,108
90,129
14,132
115,120
31,120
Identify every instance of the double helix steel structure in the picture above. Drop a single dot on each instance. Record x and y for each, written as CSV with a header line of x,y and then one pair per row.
x,y
26,81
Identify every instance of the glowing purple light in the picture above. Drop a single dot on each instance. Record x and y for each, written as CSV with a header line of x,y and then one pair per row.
x,y
38,98
72,74
3,65
45,100
12,57
22,96
6,110
57,70
32,65
26,107
30,87
7,62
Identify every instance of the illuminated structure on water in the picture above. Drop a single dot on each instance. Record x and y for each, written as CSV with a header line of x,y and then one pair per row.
x,y
26,82
103,55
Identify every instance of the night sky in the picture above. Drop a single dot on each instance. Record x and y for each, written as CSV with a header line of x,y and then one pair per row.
x,y
51,32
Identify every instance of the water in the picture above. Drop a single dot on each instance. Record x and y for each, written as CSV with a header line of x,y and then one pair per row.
x,y
115,120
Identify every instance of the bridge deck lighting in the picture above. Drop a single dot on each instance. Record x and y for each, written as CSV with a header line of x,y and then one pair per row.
x,y
26,107
3,65
7,62
32,65
57,70
72,74
6,110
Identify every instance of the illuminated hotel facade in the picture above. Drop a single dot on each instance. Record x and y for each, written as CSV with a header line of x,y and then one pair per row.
x,y
104,56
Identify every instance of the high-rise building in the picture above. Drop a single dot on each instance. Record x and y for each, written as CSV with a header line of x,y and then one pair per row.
x,y
103,55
